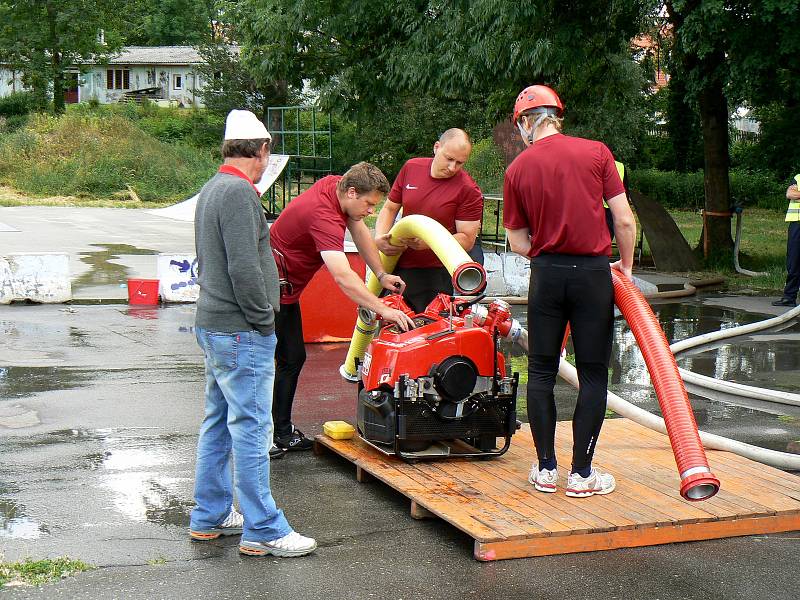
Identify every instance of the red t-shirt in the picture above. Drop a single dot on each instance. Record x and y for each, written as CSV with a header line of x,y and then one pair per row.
x,y
457,198
555,188
311,223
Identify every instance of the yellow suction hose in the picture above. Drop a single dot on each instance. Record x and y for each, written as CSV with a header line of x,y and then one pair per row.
x,y
468,278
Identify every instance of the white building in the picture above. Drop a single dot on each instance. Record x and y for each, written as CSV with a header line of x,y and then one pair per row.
x,y
167,72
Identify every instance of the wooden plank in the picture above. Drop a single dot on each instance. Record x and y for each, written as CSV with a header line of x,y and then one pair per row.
x,y
633,538
419,512
600,514
548,520
506,523
493,502
381,468
362,475
737,493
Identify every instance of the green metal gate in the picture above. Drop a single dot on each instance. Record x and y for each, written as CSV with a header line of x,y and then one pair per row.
x,y
304,134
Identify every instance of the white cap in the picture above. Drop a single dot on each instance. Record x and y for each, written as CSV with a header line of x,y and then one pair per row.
x,y
244,125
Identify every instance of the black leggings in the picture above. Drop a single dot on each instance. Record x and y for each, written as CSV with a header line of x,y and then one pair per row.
x,y
290,355
422,285
575,290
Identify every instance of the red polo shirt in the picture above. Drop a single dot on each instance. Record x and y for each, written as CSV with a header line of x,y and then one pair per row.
x,y
555,188
311,223
456,198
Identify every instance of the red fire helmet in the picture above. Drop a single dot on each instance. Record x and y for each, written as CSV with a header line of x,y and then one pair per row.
x,y
536,96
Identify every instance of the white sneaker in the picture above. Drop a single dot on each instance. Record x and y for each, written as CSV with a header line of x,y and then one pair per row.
x,y
232,525
596,483
544,480
289,545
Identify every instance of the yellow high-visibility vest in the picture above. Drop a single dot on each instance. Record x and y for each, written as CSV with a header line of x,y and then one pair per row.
x,y
793,214
621,171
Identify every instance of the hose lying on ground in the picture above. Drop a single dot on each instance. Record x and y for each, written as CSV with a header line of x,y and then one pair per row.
x,y
729,387
739,269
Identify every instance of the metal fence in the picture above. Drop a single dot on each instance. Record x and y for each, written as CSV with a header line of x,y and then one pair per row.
x,y
304,134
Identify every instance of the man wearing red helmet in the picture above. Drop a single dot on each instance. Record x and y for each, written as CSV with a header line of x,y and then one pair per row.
x,y
438,188
553,213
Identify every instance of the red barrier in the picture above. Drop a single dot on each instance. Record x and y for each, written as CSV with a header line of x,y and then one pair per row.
x,y
697,480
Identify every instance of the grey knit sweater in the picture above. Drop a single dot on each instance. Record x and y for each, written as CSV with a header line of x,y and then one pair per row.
x,y
236,270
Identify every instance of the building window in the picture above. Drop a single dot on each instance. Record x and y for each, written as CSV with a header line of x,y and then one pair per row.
x,y
118,79
177,82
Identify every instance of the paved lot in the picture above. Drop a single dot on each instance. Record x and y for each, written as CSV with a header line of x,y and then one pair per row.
x,y
99,410
101,406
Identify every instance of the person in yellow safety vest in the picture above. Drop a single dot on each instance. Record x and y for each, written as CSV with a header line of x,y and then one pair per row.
x,y
792,247
610,219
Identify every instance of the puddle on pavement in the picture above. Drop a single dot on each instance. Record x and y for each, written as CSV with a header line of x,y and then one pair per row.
x,y
15,524
144,473
20,382
104,272
765,359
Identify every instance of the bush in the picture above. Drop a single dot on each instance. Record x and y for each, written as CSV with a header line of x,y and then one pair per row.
x,y
686,190
101,155
17,104
486,166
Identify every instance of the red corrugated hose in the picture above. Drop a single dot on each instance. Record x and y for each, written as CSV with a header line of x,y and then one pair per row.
x,y
697,480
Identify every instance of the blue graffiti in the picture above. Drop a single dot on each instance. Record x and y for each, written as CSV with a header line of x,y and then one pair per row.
x,y
183,267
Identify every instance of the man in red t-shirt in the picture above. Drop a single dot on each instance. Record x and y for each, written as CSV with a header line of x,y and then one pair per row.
x,y
553,213
307,234
439,188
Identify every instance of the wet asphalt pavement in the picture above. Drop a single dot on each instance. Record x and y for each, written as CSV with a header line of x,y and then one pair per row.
x,y
99,411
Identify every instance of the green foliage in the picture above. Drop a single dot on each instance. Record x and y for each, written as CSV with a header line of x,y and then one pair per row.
x,y
486,166
392,134
365,57
169,22
37,572
197,127
100,155
47,39
17,104
776,150
686,190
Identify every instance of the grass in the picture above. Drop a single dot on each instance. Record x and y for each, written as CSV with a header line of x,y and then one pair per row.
x,y
36,572
101,156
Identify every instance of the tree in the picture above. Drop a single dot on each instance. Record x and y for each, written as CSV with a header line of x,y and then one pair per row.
x,y
47,39
360,55
724,55
171,22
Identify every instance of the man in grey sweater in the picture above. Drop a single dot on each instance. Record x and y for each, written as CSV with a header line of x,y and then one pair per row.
x,y
235,327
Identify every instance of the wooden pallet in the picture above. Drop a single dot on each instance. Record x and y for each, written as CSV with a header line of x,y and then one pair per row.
x,y
492,502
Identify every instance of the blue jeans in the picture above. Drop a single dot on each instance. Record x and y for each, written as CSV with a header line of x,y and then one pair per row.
x,y
240,372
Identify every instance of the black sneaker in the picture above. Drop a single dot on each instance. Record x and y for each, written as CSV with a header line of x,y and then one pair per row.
x,y
295,441
784,302
275,452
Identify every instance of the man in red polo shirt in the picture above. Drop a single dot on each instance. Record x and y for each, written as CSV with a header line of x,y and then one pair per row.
x,y
309,233
553,213
439,188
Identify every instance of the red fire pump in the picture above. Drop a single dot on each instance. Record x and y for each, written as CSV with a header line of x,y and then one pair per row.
x,y
441,388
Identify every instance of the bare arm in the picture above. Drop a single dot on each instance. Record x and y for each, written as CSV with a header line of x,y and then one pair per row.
x,y
519,240
385,221
466,233
624,231
355,289
793,193
366,248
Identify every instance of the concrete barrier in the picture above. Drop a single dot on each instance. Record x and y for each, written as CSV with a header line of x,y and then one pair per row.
x,y
38,277
177,277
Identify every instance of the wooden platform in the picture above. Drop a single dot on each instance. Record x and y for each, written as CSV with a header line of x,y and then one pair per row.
x,y
493,503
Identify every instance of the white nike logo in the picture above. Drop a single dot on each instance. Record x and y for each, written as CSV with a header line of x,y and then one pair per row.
x,y
410,187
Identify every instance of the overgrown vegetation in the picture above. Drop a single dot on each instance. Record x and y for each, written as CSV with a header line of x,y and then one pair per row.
x,y
37,572
101,153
